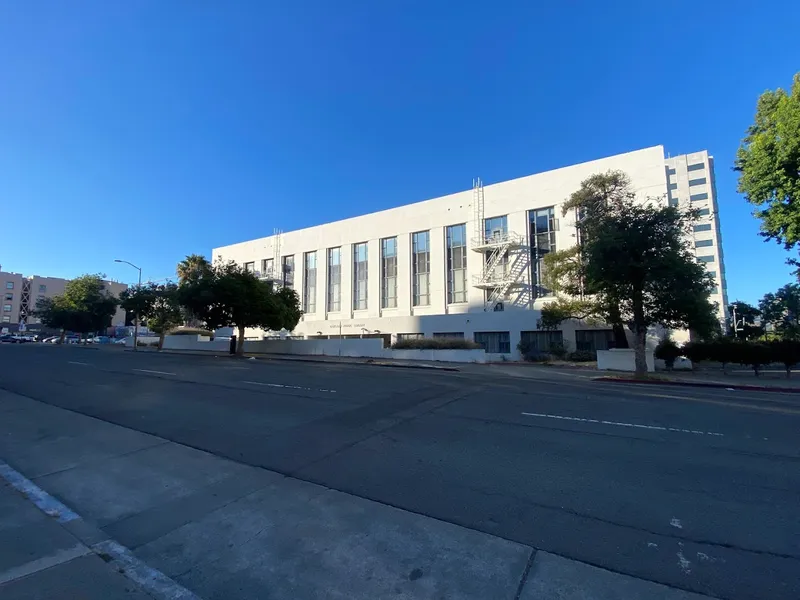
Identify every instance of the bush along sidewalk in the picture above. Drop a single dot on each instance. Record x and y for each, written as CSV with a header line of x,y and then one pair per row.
x,y
754,354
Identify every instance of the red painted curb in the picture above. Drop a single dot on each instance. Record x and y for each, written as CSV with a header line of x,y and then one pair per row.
x,y
751,388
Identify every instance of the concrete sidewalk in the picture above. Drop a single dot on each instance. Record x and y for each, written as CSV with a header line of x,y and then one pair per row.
x,y
226,530
42,559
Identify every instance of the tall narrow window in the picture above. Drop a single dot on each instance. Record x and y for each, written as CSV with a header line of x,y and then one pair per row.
x,y
389,272
360,276
334,279
310,283
250,267
456,264
267,267
288,271
543,241
421,268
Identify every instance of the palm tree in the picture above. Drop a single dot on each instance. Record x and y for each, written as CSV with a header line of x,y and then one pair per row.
x,y
192,266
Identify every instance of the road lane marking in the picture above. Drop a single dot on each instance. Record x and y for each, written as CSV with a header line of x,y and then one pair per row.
x,y
156,372
76,362
618,424
290,387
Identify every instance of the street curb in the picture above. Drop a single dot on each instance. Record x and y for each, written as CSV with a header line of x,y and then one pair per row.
x,y
366,362
151,580
725,386
265,357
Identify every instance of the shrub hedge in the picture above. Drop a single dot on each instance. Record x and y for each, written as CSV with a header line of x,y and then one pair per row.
x,y
445,343
753,354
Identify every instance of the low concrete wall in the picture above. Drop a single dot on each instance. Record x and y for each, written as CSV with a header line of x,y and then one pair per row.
x,y
143,339
621,359
462,356
368,348
195,342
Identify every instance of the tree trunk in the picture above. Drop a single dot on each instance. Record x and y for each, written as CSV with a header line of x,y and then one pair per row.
x,y
240,342
639,353
63,335
161,339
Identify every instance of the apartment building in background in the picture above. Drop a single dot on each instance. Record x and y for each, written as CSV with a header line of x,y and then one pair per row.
x,y
21,293
468,265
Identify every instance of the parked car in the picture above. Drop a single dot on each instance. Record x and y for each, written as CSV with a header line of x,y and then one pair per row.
x,y
120,341
101,339
9,339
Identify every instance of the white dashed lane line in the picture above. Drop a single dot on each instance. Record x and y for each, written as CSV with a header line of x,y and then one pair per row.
x,y
617,424
156,372
290,387
76,362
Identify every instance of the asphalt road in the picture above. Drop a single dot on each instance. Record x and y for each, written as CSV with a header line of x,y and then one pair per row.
x,y
697,489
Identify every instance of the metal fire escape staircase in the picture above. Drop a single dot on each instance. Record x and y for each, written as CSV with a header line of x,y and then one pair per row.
x,y
503,269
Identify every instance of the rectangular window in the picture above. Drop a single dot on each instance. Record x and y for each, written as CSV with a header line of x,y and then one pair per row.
x,y
310,283
696,167
673,202
670,171
704,212
459,335
673,186
250,267
543,341
389,272
699,181
6,308
267,268
6,319
715,290
334,279
9,285
360,276
698,197
542,224
9,297
42,289
705,259
456,264
409,336
703,227
495,228
421,268
592,340
712,273
287,268
494,342
703,243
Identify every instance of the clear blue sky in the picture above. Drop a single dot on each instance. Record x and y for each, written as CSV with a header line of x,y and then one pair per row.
x,y
149,130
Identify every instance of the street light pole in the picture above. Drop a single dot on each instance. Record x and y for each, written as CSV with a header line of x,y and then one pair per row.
x,y
136,324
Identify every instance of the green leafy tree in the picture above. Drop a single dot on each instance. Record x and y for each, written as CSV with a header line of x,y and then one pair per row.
x,y
768,162
782,311
228,295
54,313
745,315
91,304
156,304
636,260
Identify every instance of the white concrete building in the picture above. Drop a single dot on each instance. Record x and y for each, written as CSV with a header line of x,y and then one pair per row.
x,y
466,264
